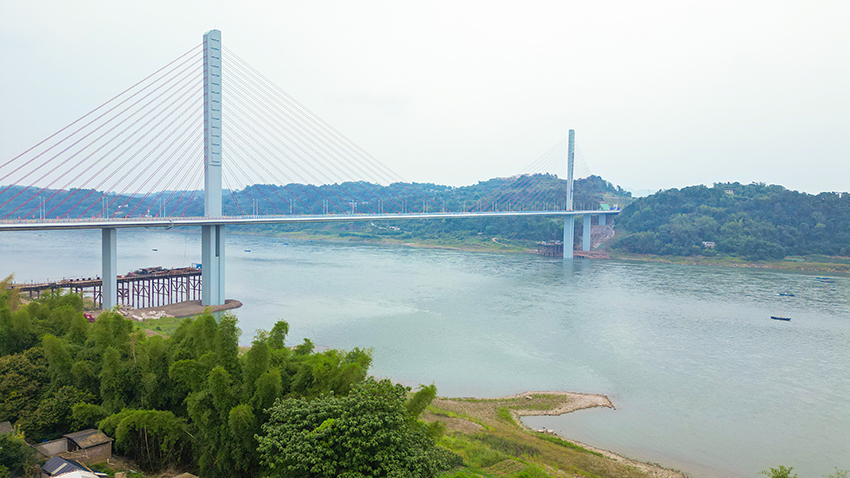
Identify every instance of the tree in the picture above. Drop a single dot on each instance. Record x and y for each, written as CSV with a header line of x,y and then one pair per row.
x,y
15,455
53,417
153,438
366,433
780,472
23,382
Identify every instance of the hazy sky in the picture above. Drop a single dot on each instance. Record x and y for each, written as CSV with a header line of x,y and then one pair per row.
x,y
661,94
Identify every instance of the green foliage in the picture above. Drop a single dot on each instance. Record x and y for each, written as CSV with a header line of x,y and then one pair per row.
x,y
152,438
23,381
840,474
53,417
780,472
15,455
330,371
566,444
505,414
420,400
277,336
87,415
508,447
756,221
188,400
366,433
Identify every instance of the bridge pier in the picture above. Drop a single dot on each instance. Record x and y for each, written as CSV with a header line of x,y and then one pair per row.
x,y
585,232
601,219
212,265
569,233
109,263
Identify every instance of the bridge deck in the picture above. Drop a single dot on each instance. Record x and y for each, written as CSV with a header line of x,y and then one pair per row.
x,y
166,222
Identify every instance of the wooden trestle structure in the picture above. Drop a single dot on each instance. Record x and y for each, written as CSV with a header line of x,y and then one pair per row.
x,y
152,287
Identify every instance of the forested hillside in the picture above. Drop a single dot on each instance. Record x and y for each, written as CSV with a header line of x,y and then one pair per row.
x,y
524,192
753,221
589,192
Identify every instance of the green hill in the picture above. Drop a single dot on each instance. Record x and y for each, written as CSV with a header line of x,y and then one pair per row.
x,y
753,221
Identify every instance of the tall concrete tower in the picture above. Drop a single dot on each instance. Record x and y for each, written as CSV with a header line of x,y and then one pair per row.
x,y
212,237
569,221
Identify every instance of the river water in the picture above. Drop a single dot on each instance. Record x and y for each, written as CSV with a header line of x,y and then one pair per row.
x,y
702,379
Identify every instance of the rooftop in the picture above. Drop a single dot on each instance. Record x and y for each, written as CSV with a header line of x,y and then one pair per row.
x,y
88,438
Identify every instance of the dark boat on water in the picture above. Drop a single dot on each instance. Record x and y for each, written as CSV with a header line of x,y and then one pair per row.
x,y
786,294
779,317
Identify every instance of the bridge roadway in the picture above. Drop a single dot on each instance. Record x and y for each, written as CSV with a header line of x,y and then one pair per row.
x,y
212,232
169,222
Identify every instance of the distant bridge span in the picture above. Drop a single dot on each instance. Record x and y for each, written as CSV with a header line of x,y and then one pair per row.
x,y
169,222
213,222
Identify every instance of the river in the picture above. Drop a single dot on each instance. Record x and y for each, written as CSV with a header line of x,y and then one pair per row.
x,y
703,380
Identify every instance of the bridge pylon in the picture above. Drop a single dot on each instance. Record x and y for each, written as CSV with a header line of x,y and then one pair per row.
x,y
212,236
569,221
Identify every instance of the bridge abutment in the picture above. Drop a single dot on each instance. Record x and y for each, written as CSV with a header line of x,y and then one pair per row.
x,y
585,232
602,219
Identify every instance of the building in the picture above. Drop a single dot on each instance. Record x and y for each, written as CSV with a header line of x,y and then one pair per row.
x,y
708,244
89,446
85,446
57,466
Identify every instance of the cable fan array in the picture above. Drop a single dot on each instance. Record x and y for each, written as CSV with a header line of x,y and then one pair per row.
x,y
538,187
141,153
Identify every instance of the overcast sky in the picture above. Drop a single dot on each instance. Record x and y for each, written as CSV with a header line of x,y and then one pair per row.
x,y
661,94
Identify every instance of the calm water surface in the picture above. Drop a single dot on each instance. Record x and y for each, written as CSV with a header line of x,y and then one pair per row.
x,y
702,379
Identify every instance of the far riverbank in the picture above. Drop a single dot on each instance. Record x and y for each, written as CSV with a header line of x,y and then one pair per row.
x,y
817,264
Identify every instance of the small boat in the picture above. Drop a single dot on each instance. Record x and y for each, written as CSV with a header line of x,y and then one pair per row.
x,y
786,294
779,317
155,250
247,250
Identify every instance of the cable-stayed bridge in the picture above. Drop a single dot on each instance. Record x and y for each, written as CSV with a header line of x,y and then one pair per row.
x,y
139,159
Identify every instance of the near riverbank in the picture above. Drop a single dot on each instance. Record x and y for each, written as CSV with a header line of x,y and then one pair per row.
x,y
494,442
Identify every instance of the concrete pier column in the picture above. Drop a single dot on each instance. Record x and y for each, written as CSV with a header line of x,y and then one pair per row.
x,y
585,232
212,265
109,273
601,219
569,232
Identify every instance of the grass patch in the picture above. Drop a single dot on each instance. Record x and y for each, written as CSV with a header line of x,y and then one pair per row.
x,y
475,454
509,447
566,444
505,414
450,414
164,326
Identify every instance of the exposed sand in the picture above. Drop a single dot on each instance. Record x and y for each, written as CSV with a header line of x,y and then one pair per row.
x,y
541,403
578,401
179,309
